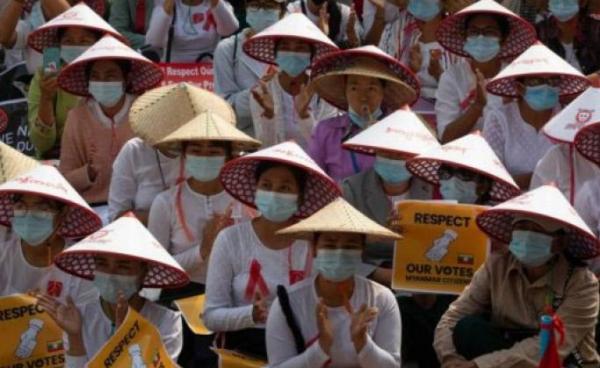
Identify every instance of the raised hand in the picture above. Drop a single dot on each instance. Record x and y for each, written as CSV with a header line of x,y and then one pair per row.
x,y
435,65
168,6
324,327
351,35
260,311
66,316
212,228
323,22
415,58
262,95
302,100
359,324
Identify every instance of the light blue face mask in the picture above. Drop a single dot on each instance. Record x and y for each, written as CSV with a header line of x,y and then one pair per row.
x,y
259,19
391,171
531,248
362,121
293,63
109,285
424,10
204,168
542,97
482,48
564,10
34,227
337,265
70,53
107,94
459,190
276,207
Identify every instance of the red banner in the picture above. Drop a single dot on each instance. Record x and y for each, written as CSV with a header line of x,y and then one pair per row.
x,y
199,74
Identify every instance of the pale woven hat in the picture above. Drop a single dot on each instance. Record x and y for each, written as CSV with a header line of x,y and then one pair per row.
x,y
470,152
338,217
238,177
45,181
293,26
126,237
144,74
401,132
538,60
14,163
81,16
329,75
580,113
451,33
160,111
97,5
587,142
546,203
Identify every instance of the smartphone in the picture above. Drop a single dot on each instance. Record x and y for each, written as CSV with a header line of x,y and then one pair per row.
x,y
51,61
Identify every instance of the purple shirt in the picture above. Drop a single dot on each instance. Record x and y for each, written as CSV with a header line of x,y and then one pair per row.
x,y
326,148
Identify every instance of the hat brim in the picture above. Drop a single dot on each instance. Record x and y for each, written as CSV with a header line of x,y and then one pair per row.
x,y
48,36
587,142
262,48
569,84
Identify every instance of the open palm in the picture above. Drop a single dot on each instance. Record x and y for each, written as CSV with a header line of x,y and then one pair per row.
x,y
66,316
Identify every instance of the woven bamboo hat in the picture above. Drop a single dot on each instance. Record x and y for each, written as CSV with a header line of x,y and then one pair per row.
x,y
579,114
587,142
13,163
163,110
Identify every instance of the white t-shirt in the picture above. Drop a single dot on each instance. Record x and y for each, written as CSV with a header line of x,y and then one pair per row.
x,y
24,27
587,204
555,167
384,333
164,223
137,179
570,56
97,330
429,84
229,269
518,145
18,276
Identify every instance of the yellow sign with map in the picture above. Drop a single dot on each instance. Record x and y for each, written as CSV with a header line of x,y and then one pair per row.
x,y
30,338
135,344
441,249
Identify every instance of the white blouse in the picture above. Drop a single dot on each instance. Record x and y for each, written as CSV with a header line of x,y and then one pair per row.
x,y
384,333
587,204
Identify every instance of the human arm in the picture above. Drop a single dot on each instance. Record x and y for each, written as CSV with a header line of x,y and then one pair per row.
x,y
171,333
9,18
52,8
373,21
123,186
74,165
225,19
158,29
262,110
120,20
40,116
225,81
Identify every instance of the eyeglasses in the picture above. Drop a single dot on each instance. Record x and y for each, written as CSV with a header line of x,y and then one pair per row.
x,y
446,172
488,32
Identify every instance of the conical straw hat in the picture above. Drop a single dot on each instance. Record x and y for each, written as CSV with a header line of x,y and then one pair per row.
x,y
582,112
538,60
451,33
209,126
161,111
329,75
401,132
144,74
128,238
80,16
294,26
587,142
13,163
338,217
96,5
470,152
45,181
238,177
546,203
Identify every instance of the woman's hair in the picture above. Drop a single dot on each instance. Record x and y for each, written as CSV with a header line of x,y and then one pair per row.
x,y
299,174
317,235
57,205
125,66
282,6
311,46
228,146
502,22
60,32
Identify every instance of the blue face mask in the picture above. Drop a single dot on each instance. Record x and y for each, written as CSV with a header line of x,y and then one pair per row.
x,y
259,19
482,48
293,63
337,264
276,207
33,227
109,285
542,97
424,10
70,53
564,10
459,190
531,248
107,94
204,168
391,171
362,121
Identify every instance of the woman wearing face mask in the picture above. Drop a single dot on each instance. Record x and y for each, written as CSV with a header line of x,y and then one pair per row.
x,y
486,33
110,74
234,70
537,79
495,322
249,260
283,105
339,318
73,32
42,211
120,259
467,171
368,84
187,29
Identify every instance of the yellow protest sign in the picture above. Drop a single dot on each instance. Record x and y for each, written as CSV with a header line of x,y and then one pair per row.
x,y
192,309
232,359
441,249
135,344
30,338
